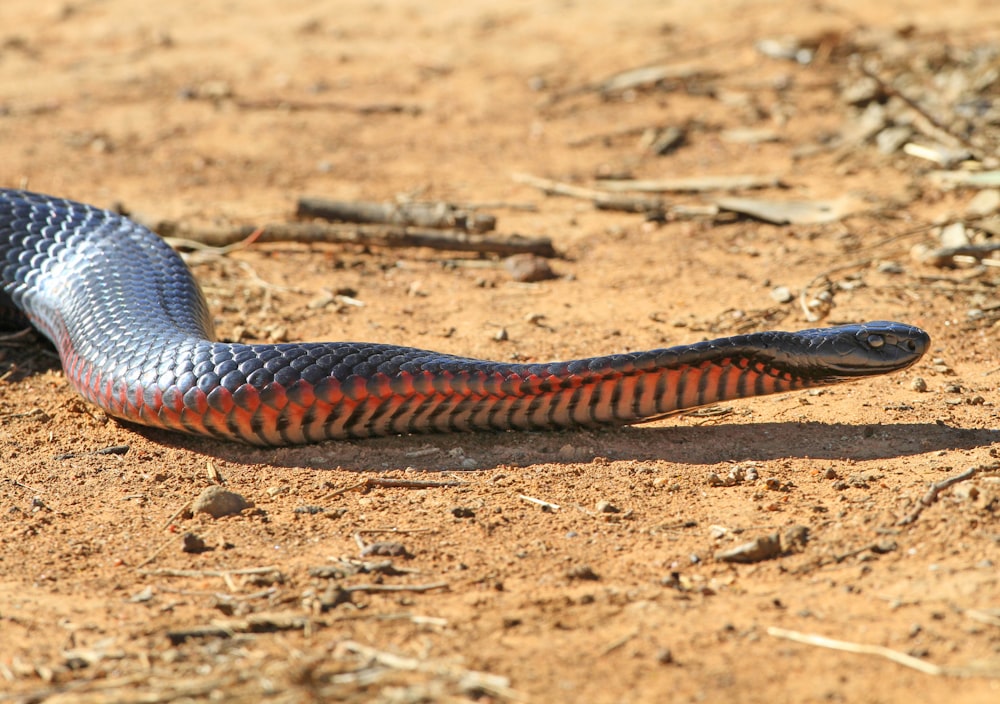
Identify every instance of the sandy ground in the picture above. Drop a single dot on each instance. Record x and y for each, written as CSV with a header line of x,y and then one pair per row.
x,y
193,111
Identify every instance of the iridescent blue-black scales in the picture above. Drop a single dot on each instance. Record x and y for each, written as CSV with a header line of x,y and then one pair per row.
x,y
135,338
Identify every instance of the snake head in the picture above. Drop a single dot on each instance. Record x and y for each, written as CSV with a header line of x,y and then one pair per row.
x,y
858,350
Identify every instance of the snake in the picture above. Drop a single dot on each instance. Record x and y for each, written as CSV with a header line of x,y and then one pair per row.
x,y
135,337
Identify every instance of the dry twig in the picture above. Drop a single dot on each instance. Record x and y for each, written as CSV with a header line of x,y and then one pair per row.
x,y
386,483
925,122
637,78
211,573
602,200
254,623
367,235
695,184
329,106
949,256
546,505
467,680
931,496
19,338
433,215
371,588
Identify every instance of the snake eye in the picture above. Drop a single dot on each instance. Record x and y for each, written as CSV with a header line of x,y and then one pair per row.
x,y
876,341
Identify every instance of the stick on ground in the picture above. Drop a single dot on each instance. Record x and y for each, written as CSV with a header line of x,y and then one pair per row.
x,y
932,494
602,200
433,215
368,235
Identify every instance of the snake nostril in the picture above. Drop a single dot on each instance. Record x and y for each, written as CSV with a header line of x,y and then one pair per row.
x,y
911,345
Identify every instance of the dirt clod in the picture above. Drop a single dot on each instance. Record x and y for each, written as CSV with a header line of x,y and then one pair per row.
x,y
528,268
193,543
762,548
582,572
218,502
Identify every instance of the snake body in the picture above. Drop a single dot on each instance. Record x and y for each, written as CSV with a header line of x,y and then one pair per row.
x,y
135,337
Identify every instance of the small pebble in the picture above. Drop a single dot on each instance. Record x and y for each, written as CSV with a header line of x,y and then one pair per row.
x,y
891,139
463,512
737,475
582,572
884,547
984,204
965,492
607,507
891,268
385,549
794,538
861,480
528,268
919,384
664,656
954,235
142,597
321,301
757,550
861,91
193,543
939,365
218,502
781,294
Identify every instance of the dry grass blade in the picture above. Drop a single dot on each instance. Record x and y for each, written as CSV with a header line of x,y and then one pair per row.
x,y
697,184
860,648
546,505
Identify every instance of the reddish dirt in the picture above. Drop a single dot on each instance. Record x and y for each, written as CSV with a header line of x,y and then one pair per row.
x,y
125,101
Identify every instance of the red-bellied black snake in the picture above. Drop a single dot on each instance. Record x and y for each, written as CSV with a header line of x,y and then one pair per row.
x,y
135,338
